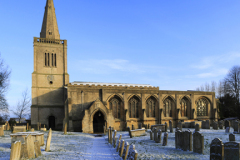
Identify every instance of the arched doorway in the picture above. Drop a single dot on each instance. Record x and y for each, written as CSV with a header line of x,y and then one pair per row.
x,y
51,122
98,122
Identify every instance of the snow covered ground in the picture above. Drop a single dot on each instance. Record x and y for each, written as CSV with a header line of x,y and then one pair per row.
x,y
86,146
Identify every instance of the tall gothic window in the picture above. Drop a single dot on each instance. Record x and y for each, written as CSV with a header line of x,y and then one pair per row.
x,y
133,105
168,105
116,105
150,107
202,107
185,107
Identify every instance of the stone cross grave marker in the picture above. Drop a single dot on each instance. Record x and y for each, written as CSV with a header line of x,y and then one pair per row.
x,y
197,128
170,126
198,142
231,137
155,135
15,150
132,154
159,137
121,148
118,142
49,138
165,139
231,150
151,137
227,130
216,150
125,151
187,140
37,149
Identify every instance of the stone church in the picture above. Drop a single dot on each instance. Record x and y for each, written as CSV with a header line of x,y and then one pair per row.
x,y
88,107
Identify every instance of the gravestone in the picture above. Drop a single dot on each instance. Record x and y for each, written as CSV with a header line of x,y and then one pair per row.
x,y
121,148
114,138
215,125
197,129
32,130
37,149
179,125
1,131
216,150
118,142
15,150
178,139
227,124
187,140
170,126
29,140
125,151
27,126
238,127
235,126
132,153
220,124
148,126
231,150
198,142
159,136
65,128
165,139
227,130
231,137
133,128
151,137
166,126
129,131
155,135
111,135
49,138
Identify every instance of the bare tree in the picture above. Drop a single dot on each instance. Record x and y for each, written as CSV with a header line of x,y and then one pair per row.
x,y
207,87
4,83
23,106
214,86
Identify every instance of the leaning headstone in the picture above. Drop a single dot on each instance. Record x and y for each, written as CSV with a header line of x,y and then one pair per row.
x,y
65,128
231,137
37,149
216,150
132,154
121,148
166,127
227,130
197,129
159,136
29,140
15,151
187,140
179,125
231,150
155,134
151,137
118,142
227,124
170,126
198,142
125,151
215,125
49,138
1,131
165,139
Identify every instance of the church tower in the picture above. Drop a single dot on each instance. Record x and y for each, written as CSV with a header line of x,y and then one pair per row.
x,y
50,73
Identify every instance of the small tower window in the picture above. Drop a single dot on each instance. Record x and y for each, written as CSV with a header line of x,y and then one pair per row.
x,y
45,59
48,59
55,59
52,60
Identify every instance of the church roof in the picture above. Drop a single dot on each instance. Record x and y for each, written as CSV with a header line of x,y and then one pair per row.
x,y
110,84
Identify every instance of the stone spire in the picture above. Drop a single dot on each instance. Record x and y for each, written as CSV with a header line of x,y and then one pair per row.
x,y
49,25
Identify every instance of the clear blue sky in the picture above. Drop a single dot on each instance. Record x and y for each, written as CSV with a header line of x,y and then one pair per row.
x,y
176,45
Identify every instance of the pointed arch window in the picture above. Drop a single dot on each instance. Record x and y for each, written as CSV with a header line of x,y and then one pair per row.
x,y
150,107
202,107
116,105
133,105
168,106
185,107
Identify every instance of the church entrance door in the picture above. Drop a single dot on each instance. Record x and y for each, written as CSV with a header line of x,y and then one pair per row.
x,y
98,122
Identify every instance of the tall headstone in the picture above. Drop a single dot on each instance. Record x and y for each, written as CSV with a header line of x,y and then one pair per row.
x,y
227,130
110,135
151,137
65,128
29,140
170,126
198,142
37,149
114,138
121,148
155,134
165,139
197,128
178,139
216,150
231,150
125,151
231,137
235,126
159,136
118,142
15,151
220,124
227,124
132,154
27,126
179,125
49,138
166,126
215,125
187,140
1,131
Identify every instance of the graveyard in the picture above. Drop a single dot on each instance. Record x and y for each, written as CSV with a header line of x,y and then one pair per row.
x,y
77,145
